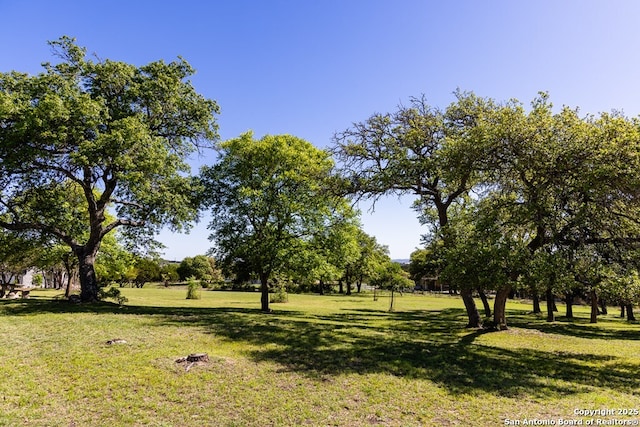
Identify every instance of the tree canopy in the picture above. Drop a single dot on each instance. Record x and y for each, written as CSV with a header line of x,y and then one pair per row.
x,y
267,196
436,155
118,135
512,196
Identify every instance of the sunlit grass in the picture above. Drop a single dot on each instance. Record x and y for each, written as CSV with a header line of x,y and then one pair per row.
x,y
316,360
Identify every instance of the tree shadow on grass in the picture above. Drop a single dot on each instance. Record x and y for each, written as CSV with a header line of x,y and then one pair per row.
x,y
606,328
431,345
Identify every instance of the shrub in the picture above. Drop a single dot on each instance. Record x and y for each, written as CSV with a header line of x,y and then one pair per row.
x,y
113,293
193,288
37,280
279,296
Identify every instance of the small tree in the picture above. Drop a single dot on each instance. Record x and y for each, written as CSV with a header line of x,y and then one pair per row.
x,y
169,273
393,278
147,270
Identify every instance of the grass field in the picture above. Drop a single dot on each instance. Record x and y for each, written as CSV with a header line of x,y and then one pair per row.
x,y
316,361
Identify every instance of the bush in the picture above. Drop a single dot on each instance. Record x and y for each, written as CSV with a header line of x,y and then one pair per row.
x,y
279,296
37,280
193,288
113,293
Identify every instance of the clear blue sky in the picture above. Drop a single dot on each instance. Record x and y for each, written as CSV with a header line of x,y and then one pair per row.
x,y
312,67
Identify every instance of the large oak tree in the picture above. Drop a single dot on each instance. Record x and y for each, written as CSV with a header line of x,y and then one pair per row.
x,y
118,133
436,155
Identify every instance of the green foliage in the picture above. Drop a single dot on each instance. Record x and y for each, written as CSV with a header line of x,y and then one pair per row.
x,y
391,276
82,136
115,264
193,288
484,251
146,270
279,295
113,293
512,195
333,250
268,197
37,280
17,253
437,155
426,263
201,267
169,273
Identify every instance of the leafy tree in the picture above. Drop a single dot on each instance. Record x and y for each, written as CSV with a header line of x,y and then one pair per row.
x,y
312,264
486,252
337,249
199,267
340,252
147,270
371,256
392,277
425,262
169,273
421,150
119,134
193,288
114,263
571,182
267,196
61,266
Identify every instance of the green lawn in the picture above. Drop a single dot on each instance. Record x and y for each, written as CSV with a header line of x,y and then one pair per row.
x,y
317,361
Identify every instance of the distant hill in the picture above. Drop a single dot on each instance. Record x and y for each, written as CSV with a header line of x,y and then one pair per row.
x,y
402,260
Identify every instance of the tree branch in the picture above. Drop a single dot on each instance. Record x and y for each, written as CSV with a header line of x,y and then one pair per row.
x,y
120,222
26,226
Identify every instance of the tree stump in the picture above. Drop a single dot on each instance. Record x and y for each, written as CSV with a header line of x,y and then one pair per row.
x,y
193,359
198,357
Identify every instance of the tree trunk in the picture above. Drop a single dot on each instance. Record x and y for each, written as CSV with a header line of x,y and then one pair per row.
x,y
485,302
321,284
264,290
622,308
67,292
569,302
594,307
68,268
87,274
499,308
536,303
340,287
348,283
630,315
359,284
603,306
392,298
550,303
470,306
